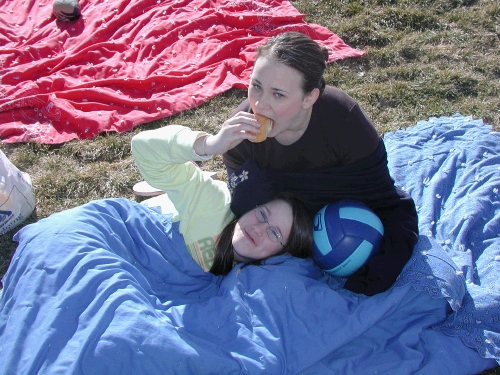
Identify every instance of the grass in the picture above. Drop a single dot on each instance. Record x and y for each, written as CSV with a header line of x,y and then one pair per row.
x,y
423,58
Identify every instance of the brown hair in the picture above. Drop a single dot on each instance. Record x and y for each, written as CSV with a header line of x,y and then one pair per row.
x,y
301,53
299,242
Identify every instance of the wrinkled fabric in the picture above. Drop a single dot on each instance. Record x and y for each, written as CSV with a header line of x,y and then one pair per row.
x,y
451,168
124,63
109,287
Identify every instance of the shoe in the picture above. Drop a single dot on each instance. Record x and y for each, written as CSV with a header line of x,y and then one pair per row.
x,y
144,189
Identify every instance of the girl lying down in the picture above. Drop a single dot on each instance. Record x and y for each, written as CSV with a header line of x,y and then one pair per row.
x,y
214,236
109,288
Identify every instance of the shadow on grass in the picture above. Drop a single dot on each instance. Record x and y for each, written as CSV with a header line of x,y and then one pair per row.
x,y
8,246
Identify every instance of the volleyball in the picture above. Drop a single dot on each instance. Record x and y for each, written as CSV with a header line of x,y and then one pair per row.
x,y
346,235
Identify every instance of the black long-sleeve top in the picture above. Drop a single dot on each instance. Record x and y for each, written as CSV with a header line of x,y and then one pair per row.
x,y
339,156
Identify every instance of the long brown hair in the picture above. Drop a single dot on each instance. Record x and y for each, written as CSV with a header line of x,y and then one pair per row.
x,y
299,242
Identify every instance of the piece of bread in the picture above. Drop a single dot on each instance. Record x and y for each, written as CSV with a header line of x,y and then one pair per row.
x,y
266,125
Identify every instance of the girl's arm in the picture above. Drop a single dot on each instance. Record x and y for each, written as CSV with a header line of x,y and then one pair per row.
x,y
163,157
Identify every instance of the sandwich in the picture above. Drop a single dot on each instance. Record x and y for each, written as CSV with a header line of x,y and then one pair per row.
x,y
266,125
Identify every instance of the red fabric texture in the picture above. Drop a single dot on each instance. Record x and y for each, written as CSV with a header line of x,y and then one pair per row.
x,y
127,62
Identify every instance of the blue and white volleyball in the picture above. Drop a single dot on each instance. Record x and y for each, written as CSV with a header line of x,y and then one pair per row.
x,y
346,235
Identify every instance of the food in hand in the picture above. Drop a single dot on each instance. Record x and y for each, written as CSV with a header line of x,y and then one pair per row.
x,y
266,125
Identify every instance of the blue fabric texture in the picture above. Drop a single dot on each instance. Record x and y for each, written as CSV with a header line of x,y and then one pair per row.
x,y
109,287
451,168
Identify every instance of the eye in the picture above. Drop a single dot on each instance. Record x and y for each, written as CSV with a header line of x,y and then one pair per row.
x,y
278,95
276,232
256,86
261,215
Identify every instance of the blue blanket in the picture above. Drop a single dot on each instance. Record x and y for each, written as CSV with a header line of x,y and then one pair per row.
x,y
109,288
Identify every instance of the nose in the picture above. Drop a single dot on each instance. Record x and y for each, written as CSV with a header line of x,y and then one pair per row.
x,y
262,102
260,228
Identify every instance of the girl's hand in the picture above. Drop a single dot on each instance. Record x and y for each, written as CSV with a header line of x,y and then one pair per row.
x,y
234,130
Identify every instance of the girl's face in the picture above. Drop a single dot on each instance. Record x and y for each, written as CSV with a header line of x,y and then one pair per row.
x,y
276,92
251,240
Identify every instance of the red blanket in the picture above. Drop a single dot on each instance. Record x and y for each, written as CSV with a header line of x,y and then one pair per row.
x,y
127,62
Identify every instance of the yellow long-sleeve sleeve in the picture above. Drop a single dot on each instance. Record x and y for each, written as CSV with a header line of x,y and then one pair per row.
x,y
164,157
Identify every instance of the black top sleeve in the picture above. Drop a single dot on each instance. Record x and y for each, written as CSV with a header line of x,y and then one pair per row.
x,y
400,236
367,181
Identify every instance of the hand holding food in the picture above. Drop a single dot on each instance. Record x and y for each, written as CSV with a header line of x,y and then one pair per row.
x,y
234,130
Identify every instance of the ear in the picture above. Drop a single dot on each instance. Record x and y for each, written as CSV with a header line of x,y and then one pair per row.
x,y
310,98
